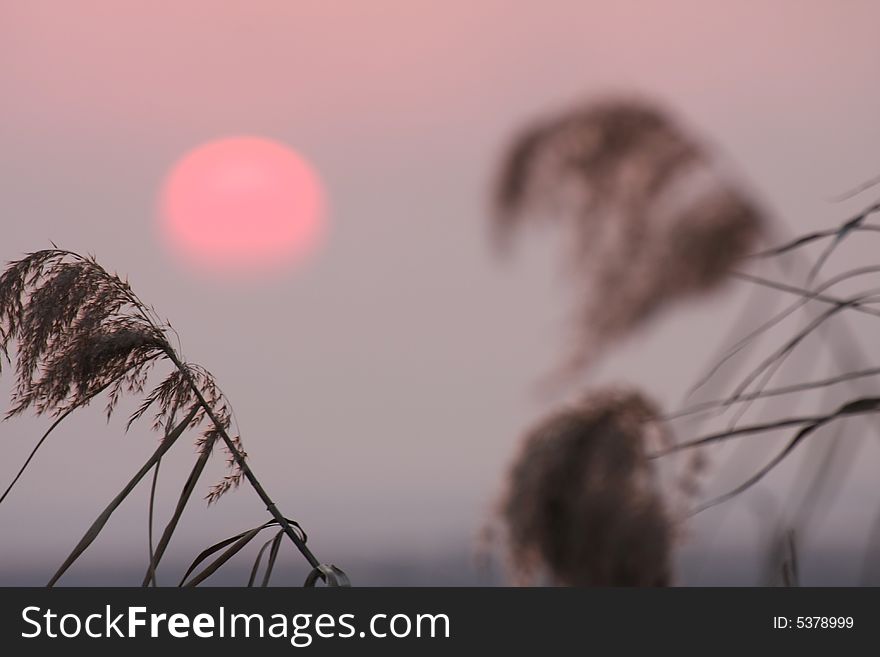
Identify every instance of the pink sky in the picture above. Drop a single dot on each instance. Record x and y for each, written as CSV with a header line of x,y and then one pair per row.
x,y
382,390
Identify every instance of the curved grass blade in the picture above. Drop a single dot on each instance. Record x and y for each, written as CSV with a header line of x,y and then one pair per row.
x,y
855,191
806,296
235,543
259,558
793,343
854,407
817,292
781,353
102,519
842,233
759,475
790,571
150,519
812,237
775,392
185,494
39,444
273,554
728,434
34,453
754,306
238,459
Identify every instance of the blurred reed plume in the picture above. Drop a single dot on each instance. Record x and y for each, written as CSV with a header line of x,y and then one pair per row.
x,y
566,505
648,214
650,217
583,504
79,331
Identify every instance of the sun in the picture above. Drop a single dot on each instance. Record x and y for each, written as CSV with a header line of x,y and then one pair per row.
x,y
242,206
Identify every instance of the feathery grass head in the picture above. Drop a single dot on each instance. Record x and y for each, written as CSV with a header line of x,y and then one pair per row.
x,y
650,219
78,331
583,504
592,156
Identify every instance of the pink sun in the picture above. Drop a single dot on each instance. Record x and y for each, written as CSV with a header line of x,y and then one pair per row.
x,y
242,205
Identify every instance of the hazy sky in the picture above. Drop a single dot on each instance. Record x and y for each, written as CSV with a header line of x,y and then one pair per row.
x,y
381,388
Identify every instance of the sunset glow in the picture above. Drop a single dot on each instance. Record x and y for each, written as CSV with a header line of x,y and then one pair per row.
x,y
242,205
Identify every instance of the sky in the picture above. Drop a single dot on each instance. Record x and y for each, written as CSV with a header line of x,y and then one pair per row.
x,y
382,386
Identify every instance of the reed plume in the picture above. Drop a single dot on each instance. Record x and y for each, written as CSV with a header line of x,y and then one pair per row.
x,y
583,504
79,331
647,213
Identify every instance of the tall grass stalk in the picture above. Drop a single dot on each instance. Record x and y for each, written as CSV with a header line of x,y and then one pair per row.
x,y
79,331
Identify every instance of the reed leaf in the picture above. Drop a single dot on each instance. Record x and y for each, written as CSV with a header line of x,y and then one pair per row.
x,y
102,519
855,223
257,562
185,494
236,543
273,554
52,427
150,519
33,453
79,330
